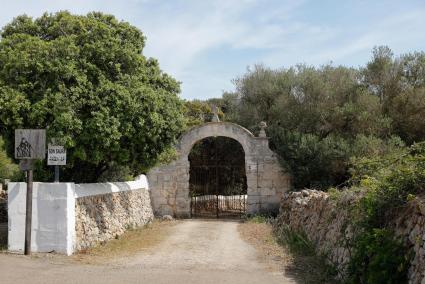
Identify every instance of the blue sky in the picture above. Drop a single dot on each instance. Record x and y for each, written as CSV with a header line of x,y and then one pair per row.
x,y
206,44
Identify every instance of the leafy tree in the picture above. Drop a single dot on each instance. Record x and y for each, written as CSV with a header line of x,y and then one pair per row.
x,y
8,169
85,79
321,117
400,85
198,112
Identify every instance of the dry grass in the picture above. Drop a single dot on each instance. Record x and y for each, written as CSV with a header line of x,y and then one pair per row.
x,y
260,235
278,258
130,243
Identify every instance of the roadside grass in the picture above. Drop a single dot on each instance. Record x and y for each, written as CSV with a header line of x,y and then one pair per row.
x,y
258,232
286,251
258,218
308,266
128,244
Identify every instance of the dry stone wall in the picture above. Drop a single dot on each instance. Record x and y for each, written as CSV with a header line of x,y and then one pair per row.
x,y
3,204
327,224
410,226
3,211
99,218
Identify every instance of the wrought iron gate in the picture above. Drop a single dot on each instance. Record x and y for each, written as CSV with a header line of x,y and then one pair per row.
x,y
218,191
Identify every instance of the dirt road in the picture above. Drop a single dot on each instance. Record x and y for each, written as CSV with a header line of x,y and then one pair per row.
x,y
196,251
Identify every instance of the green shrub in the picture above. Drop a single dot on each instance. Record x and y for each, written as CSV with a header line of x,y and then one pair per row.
x,y
297,243
316,266
8,170
312,161
258,219
378,257
388,183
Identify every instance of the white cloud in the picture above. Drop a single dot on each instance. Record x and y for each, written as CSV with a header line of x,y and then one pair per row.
x,y
187,35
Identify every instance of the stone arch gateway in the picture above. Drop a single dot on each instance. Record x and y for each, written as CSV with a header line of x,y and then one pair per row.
x,y
266,180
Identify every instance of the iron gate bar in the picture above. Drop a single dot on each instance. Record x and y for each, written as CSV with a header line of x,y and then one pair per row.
x,y
209,196
218,191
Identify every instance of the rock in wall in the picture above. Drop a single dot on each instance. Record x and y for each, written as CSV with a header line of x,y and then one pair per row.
x,y
327,223
410,226
102,217
3,204
324,222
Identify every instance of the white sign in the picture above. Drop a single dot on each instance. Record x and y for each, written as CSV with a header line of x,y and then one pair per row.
x,y
30,144
56,155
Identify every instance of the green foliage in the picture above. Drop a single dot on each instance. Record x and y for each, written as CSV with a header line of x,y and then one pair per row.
x,y
304,251
8,170
323,162
320,118
198,112
86,80
378,258
388,183
167,156
310,100
298,243
259,218
313,162
400,85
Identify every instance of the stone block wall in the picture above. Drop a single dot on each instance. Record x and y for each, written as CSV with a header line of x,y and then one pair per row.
x,y
327,224
271,183
266,180
102,217
169,186
410,226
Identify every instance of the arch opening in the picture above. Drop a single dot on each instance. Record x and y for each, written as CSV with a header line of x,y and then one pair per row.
x,y
217,178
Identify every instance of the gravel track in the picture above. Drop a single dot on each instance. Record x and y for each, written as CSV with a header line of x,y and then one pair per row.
x,y
196,251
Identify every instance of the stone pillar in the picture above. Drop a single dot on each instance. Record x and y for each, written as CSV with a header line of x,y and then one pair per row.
x,y
169,187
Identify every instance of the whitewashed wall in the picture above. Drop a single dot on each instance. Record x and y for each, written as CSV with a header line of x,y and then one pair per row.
x,y
53,214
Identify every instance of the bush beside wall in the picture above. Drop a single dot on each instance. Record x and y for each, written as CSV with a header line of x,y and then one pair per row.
x,y
329,224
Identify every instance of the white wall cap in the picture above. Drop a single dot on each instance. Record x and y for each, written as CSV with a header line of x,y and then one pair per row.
x,y
90,189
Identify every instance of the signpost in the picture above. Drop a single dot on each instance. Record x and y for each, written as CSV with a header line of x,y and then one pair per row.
x,y
30,144
56,156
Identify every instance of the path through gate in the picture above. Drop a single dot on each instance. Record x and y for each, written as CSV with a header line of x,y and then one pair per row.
x,y
218,190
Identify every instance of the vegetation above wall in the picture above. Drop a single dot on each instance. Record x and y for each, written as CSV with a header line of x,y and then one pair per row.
x,y
321,118
357,131
386,184
8,169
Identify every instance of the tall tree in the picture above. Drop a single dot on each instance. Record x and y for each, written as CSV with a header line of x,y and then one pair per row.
x,y
85,79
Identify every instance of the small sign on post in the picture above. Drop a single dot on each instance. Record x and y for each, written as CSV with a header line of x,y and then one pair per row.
x,y
30,144
56,156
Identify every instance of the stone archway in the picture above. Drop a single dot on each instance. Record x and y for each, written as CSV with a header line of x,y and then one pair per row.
x,y
266,180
